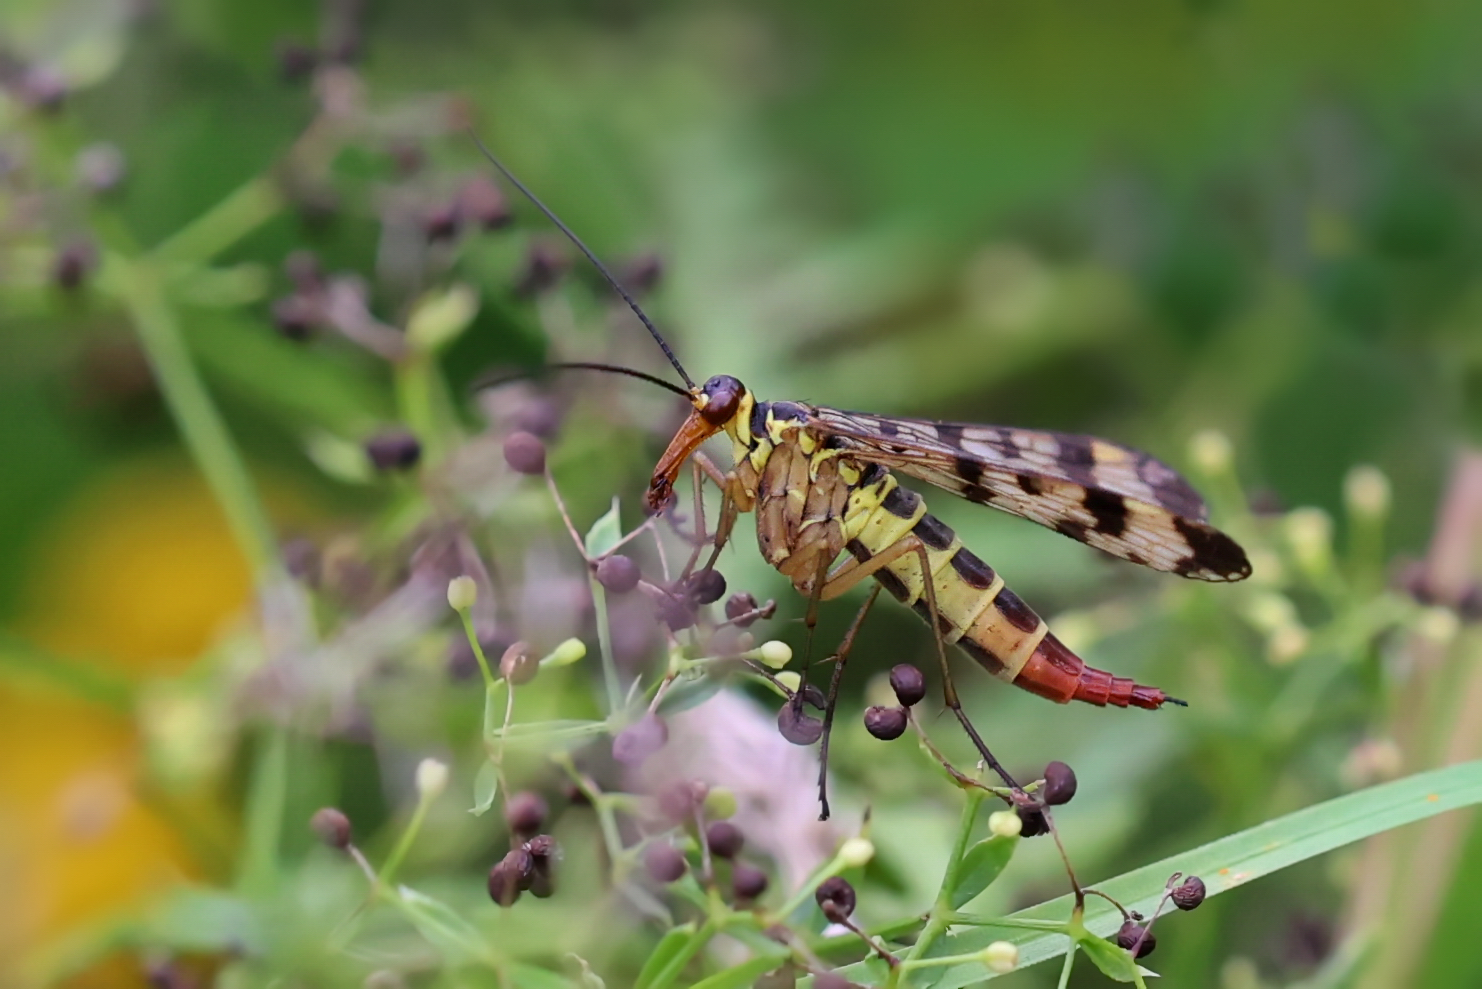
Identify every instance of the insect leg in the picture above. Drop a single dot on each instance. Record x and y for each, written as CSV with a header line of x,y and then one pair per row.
x,y
840,658
949,689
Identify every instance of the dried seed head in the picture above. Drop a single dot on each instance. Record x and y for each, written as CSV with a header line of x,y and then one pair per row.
x,y
525,812
393,450
332,827
796,726
544,851
747,881
724,839
440,222
618,573
908,683
1060,784
504,886
706,586
664,862
1188,894
635,743
1035,823
836,893
885,723
525,453
518,862
1130,934
741,603
518,665
482,202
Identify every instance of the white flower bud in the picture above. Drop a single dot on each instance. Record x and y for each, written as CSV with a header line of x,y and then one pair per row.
x,y
568,652
774,653
1005,823
432,778
1001,957
462,593
856,853
1286,643
1438,625
1309,532
1366,491
1211,452
1270,612
790,679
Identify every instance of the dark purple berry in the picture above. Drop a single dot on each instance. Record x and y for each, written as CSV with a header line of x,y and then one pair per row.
x,y
504,885
518,665
664,862
676,614
538,415
395,450
747,881
908,683
518,862
525,812
814,696
1129,936
706,586
618,573
440,222
543,851
739,604
525,453
301,559
885,723
724,839
1188,894
72,265
837,895
635,743
296,61
797,727
544,848
42,88
1060,784
543,268
642,274
332,827
295,317
481,202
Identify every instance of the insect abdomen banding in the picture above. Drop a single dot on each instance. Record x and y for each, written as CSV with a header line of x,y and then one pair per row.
x,y
975,610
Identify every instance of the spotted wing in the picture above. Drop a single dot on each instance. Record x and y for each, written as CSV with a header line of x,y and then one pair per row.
x,y
1116,499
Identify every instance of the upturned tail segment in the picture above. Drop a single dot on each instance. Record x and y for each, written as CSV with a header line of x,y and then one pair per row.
x,y
1056,673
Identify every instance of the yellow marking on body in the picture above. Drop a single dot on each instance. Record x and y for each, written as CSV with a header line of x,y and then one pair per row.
x,y
1000,637
849,474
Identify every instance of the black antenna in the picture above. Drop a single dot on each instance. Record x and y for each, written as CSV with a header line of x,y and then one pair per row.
x,y
611,280
494,380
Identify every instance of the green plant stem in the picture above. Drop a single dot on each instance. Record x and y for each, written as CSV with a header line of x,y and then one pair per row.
x,y
604,640
1065,969
420,396
404,843
201,425
266,798
940,918
692,947
478,649
231,219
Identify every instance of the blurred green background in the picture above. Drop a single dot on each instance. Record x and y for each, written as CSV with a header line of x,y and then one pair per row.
x,y
1143,220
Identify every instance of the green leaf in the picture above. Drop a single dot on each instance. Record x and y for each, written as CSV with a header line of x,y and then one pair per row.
x,y
441,925
1230,862
683,696
485,788
981,866
669,947
742,975
534,977
440,317
1115,963
605,532
545,732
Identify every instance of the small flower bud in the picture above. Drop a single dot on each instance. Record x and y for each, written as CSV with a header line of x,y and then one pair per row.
x,y
1001,957
481,202
504,886
739,604
394,450
432,778
517,665
1438,625
1309,532
774,653
908,683
635,743
568,652
1366,491
525,812
332,827
525,453
1129,936
664,862
1211,452
724,839
790,681
462,593
618,573
1286,644
706,586
1005,824
797,727
855,853
835,892
747,881
885,723
1060,784
1188,894
720,803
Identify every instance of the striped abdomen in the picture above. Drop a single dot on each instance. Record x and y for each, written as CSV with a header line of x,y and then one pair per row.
x,y
974,608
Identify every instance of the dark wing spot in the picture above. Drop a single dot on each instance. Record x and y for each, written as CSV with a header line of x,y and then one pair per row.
x,y
974,571
887,428
1074,530
1212,551
950,433
1031,484
985,659
1109,510
969,469
933,531
901,502
944,625
978,493
1015,611
892,583
1075,450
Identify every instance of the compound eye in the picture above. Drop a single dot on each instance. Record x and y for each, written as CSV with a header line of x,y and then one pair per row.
x,y
724,394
